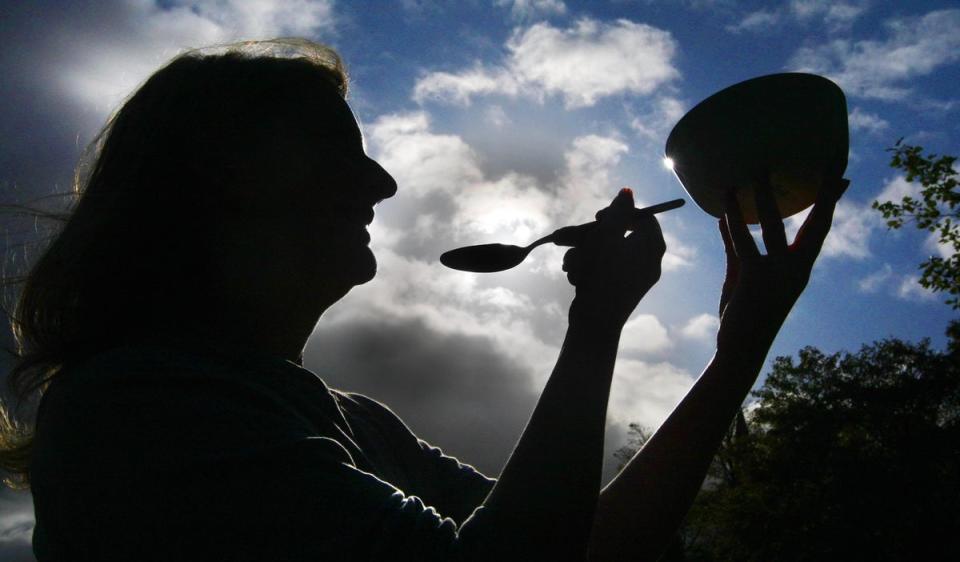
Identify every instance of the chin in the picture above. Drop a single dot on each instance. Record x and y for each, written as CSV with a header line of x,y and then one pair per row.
x,y
362,268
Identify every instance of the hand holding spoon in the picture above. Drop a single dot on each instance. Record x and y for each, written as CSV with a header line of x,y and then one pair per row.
x,y
487,258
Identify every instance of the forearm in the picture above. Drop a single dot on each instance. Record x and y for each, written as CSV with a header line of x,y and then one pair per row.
x,y
547,493
640,510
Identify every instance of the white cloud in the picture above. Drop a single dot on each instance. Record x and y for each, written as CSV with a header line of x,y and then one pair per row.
x,y
910,289
835,13
850,233
660,119
109,59
644,334
646,392
884,69
679,255
702,327
586,183
876,280
760,20
868,122
933,244
898,188
592,60
523,10
854,224
422,161
583,63
459,88
904,286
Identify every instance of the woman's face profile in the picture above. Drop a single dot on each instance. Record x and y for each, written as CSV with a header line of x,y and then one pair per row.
x,y
320,188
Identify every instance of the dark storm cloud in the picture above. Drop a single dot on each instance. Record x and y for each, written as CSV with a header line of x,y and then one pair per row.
x,y
16,525
454,391
38,131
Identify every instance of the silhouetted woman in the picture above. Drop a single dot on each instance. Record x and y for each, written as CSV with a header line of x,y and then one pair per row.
x,y
224,209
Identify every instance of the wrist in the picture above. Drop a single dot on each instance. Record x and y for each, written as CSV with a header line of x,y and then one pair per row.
x,y
748,330
596,318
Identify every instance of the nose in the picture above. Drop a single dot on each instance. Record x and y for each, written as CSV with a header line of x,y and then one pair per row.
x,y
380,182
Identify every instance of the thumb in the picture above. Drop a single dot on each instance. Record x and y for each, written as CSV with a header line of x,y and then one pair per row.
x,y
620,207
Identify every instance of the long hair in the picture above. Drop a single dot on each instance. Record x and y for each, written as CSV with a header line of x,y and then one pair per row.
x,y
127,260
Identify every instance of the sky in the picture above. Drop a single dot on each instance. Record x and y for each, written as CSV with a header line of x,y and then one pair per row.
x,y
505,119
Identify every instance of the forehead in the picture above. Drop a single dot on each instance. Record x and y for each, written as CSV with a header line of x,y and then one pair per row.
x,y
326,115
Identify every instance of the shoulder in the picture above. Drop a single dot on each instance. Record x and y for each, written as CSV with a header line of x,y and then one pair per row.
x,y
145,381
157,407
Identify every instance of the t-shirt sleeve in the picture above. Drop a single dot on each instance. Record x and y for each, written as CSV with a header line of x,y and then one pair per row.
x,y
305,503
454,488
302,504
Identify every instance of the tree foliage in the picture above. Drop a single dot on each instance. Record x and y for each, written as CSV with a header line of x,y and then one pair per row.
x,y
845,456
935,211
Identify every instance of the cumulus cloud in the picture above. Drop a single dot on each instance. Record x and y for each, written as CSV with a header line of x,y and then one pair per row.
x,y
646,392
876,280
850,234
855,223
904,286
422,161
755,21
702,327
117,48
911,289
503,330
523,10
872,123
897,188
16,525
655,124
835,15
884,69
853,226
582,63
933,244
644,335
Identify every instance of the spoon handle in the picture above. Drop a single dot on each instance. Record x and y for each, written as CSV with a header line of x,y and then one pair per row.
x,y
574,235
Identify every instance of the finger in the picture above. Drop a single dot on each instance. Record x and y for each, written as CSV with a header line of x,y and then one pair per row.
x,y
619,210
572,265
815,228
774,237
743,244
570,259
648,236
733,266
727,241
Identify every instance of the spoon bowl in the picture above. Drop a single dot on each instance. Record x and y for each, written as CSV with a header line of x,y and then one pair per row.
x,y
485,258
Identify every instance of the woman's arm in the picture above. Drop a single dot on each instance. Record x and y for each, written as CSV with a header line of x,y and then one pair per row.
x,y
546,496
639,511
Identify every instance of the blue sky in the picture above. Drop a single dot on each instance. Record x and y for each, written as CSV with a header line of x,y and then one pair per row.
x,y
502,120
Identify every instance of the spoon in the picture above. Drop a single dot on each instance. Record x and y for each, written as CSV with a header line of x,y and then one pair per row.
x,y
487,258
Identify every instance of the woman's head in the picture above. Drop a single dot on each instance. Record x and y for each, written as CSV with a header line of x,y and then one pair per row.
x,y
230,177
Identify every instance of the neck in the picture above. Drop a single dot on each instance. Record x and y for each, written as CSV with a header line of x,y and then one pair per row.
x,y
277,332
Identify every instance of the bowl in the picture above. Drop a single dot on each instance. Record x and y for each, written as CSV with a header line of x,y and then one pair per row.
x,y
787,129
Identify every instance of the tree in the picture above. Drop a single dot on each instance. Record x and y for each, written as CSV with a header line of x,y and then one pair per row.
x,y
935,211
637,435
847,456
